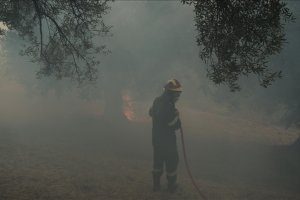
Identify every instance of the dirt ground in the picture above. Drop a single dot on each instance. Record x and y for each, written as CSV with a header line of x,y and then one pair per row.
x,y
86,162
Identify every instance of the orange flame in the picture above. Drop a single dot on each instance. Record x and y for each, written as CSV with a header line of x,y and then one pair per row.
x,y
128,107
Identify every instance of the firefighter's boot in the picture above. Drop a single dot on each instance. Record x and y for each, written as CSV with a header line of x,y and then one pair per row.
x,y
156,181
172,186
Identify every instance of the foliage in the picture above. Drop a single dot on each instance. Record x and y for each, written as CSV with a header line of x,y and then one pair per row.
x,y
59,34
239,36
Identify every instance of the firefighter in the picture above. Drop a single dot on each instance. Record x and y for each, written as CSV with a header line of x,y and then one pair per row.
x,y
165,121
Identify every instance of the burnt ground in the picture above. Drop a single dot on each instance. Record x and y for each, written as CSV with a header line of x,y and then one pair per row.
x,y
104,161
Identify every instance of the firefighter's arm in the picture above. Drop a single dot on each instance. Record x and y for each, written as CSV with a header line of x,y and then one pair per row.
x,y
175,122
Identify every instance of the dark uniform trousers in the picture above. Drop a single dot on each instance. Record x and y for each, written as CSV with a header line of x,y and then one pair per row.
x,y
165,154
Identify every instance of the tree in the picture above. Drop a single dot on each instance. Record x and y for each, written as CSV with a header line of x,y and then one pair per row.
x,y
238,38
59,34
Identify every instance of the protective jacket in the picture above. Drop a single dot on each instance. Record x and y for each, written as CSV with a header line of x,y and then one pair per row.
x,y
165,120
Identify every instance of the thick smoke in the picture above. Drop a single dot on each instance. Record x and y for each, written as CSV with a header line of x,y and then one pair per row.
x,y
228,134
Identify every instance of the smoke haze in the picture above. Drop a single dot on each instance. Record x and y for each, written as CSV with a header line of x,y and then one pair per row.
x,y
95,140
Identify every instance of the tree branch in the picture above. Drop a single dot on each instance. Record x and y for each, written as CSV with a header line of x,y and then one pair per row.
x,y
38,11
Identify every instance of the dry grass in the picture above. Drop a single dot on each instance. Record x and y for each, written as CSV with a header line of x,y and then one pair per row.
x,y
42,174
238,129
118,166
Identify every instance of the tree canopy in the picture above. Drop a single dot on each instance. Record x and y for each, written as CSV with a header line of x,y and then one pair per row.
x,y
59,34
239,36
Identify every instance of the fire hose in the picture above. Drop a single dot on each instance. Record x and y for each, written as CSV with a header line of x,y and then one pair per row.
x,y
188,168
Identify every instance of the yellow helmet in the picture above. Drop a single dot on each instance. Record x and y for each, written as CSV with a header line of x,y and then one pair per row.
x,y
173,85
